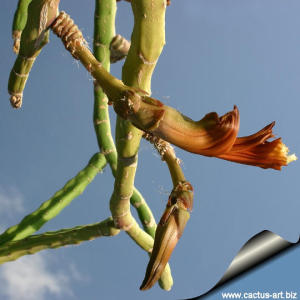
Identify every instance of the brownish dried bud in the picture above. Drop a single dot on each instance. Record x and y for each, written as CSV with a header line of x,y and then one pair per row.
x,y
64,28
119,48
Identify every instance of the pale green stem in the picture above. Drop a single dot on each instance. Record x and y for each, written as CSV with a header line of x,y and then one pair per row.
x,y
55,239
52,207
104,32
147,40
167,153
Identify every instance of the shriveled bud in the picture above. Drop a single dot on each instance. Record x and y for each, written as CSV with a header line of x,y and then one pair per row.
x,y
119,48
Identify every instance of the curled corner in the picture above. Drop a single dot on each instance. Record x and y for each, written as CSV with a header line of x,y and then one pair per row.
x,y
260,248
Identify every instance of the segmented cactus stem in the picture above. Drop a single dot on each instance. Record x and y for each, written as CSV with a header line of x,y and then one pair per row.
x,y
55,239
104,37
52,207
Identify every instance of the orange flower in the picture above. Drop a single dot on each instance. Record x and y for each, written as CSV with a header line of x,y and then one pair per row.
x,y
255,150
211,136
217,137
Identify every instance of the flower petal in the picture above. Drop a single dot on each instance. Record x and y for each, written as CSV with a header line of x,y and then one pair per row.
x,y
272,154
242,143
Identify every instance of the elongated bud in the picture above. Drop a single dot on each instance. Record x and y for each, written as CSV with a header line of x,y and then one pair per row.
x,y
41,13
169,231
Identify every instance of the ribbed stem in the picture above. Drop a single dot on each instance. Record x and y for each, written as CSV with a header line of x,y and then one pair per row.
x,y
104,32
147,40
55,239
52,207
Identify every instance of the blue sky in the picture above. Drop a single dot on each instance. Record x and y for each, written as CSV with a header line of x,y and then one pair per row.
x,y
218,53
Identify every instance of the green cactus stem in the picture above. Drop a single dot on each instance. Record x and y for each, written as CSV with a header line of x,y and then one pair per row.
x,y
52,207
104,32
103,35
41,13
147,41
55,239
167,154
19,22
115,90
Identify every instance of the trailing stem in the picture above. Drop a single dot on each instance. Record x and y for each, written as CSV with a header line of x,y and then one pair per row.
x,y
147,40
104,31
55,239
52,207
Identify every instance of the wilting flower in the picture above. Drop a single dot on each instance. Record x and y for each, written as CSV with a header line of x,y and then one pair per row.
x,y
256,150
216,137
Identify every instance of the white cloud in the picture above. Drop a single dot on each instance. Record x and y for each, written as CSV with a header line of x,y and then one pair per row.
x,y
76,275
11,202
30,278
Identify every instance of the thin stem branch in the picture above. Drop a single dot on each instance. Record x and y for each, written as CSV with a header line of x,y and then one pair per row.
x,y
55,239
167,153
52,207
104,31
146,45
